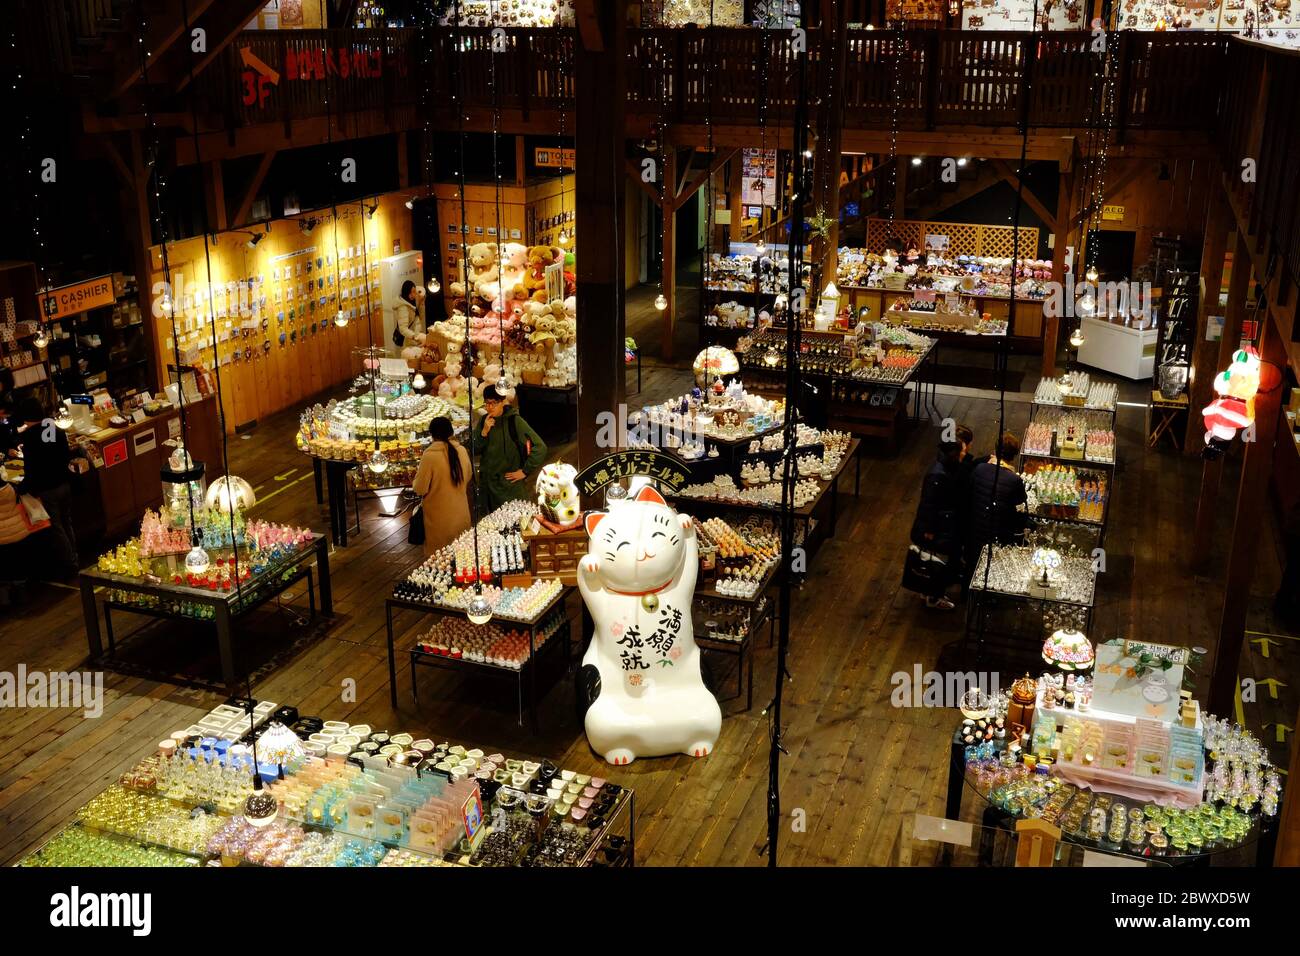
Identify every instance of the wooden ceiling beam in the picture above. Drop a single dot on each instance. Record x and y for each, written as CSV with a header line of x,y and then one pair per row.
x,y
162,35
719,159
1009,176
250,194
225,23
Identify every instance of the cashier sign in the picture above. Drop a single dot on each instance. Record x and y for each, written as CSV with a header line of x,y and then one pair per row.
x,y
664,469
71,299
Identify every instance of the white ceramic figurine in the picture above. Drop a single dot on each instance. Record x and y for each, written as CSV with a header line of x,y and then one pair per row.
x,y
638,579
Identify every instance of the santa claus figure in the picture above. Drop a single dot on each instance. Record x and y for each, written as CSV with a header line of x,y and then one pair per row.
x,y
1234,409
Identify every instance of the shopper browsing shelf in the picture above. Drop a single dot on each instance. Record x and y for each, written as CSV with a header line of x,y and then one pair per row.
x,y
934,559
409,323
47,475
997,500
442,482
510,452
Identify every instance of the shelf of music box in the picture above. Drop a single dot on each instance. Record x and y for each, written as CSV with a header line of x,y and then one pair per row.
x,y
449,610
1080,464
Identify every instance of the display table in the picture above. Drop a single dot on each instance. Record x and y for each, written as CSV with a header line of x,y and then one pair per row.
x,y
178,602
981,779
532,398
751,613
1005,607
525,673
1164,416
448,805
1117,348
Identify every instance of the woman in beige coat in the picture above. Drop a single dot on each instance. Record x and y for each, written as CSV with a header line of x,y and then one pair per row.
x,y
442,482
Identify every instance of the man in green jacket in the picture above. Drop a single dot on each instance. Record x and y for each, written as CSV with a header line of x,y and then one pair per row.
x,y
511,453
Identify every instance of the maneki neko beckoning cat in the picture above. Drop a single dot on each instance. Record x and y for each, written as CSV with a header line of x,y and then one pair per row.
x,y
643,665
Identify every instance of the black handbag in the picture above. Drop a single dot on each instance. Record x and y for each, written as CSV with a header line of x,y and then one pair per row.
x,y
415,527
398,338
925,572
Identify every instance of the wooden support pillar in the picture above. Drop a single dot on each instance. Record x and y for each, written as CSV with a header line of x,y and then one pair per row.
x,y
1205,354
1064,213
521,163
1288,826
1252,504
216,195
668,245
735,186
600,80
1212,471
403,162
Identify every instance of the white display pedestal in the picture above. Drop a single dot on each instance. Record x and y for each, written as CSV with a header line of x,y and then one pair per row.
x,y
1118,349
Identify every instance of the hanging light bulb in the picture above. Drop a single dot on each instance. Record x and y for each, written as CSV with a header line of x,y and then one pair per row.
x,y
1076,337
479,611
661,302
260,809
962,160
807,154
378,462
340,319
564,237
230,491
1092,275
165,303
42,338
772,358
63,417
760,249
418,382
916,160
410,204
434,285
197,561
615,492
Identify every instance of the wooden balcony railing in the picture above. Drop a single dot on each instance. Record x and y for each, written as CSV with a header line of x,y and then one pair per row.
x,y
931,80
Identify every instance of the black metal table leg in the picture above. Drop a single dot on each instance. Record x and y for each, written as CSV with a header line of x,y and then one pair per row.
x,y
108,630
320,492
323,569
224,637
90,611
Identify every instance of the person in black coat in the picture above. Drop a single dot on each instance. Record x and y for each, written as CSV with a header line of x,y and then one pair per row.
x,y
47,474
935,530
997,499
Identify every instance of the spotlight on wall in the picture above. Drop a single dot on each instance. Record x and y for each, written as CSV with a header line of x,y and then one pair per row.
x,y
410,204
371,210
254,239
308,225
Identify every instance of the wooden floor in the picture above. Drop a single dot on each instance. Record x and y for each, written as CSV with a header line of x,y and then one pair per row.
x,y
856,765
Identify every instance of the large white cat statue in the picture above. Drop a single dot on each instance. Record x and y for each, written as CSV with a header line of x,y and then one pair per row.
x,y
638,579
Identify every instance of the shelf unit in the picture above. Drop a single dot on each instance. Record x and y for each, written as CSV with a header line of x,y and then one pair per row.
x,y
103,347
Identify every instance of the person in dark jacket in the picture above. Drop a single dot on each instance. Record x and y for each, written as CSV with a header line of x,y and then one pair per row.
x,y
47,475
997,498
934,530
511,453
8,424
965,471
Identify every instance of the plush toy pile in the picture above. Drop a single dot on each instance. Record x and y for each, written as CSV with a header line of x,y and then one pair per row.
x,y
505,320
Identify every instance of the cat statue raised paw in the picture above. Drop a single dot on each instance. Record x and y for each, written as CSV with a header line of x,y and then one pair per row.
x,y
638,579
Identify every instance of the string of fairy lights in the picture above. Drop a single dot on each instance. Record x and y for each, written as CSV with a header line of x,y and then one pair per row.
x,y
479,611
500,306
426,108
661,301
896,49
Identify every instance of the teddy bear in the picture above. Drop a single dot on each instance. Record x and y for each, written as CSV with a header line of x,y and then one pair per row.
x,y
452,387
539,257
483,272
512,267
